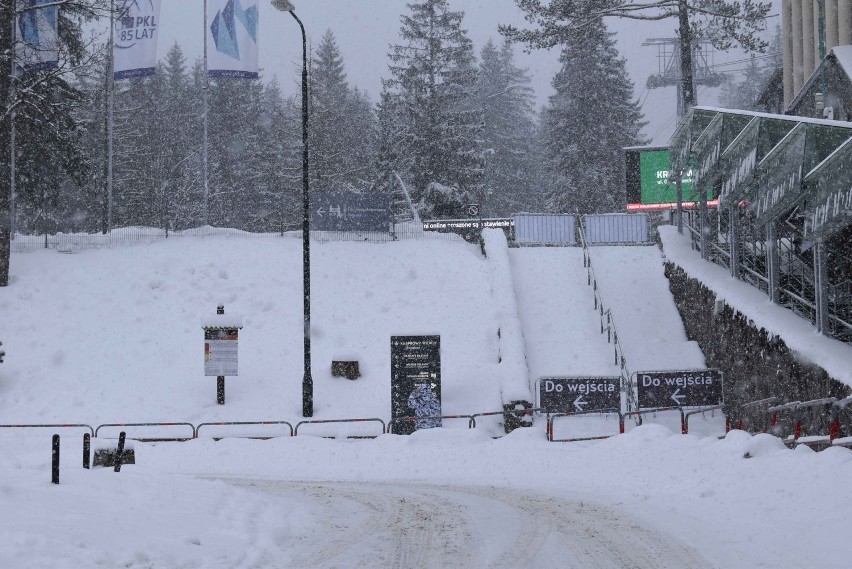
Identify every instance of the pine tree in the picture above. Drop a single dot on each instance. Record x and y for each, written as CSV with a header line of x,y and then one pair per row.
x,y
588,121
433,75
279,197
509,132
724,23
156,142
46,101
745,93
342,129
329,93
235,118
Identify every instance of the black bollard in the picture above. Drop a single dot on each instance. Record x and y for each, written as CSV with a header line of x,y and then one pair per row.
x,y
119,453
55,457
87,449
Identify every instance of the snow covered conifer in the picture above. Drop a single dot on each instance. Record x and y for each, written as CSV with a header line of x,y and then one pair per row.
x,y
587,122
509,133
433,74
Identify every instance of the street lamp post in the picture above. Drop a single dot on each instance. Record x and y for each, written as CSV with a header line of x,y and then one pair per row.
x,y
307,380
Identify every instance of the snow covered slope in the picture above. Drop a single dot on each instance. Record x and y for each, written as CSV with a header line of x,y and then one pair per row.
x,y
561,325
115,335
635,289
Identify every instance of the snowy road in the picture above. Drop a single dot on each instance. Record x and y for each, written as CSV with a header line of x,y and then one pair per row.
x,y
413,525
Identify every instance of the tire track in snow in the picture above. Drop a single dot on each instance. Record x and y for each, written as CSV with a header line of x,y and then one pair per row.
x,y
425,526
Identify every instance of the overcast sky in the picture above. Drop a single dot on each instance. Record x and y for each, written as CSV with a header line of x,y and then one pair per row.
x,y
365,28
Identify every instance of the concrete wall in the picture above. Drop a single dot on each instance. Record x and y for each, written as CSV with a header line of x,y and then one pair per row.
x,y
755,364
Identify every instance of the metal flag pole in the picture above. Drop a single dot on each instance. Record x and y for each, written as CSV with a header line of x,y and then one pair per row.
x,y
110,112
206,89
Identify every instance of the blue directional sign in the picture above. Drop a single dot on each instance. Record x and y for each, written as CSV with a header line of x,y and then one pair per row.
x,y
579,394
690,388
346,211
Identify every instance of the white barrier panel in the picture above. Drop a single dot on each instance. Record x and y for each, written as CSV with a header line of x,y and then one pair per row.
x,y
616,228
545,229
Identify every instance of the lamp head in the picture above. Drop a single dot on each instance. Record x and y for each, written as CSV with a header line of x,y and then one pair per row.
x,y
283,5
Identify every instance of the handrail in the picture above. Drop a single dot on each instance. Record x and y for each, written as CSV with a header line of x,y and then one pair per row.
x,y
611,329
765,401
228,423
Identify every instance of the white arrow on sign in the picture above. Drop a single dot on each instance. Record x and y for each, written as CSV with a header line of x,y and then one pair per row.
x,y
579,403
677,398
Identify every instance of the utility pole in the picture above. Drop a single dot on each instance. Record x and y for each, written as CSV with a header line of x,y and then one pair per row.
x,y
687,85
7,23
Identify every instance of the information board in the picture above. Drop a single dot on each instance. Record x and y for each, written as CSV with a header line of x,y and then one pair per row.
x,y
415,382
220,351
341,211
577,394
690,388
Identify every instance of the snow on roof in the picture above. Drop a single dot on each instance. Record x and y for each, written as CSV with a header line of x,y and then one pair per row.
x,y
794,118
843,54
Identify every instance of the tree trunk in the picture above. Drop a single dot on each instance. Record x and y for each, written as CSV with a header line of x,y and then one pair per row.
x,y
7,18
687,83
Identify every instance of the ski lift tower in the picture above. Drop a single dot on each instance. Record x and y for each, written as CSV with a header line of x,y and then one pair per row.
x,y
668,58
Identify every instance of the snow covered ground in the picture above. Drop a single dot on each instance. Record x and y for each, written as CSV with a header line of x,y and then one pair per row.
x,y
114,335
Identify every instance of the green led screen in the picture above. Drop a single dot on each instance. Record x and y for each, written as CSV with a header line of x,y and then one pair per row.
x,y
647,179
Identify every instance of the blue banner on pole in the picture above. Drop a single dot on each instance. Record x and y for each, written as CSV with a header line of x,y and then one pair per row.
x,y
339,211
135,39
36,28
232,34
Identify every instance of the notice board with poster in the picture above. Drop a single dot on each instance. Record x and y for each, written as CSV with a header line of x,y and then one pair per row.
x,y
415,382
220,351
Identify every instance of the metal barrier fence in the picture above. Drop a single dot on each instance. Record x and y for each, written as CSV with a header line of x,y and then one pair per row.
x,y
54,426
782,429
789,421
124,236
530,228
839,408
552,419
545,229
756,412
243,423
471,423
640,412
789,427
516,412
327,421
616,229
151,439
685,424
